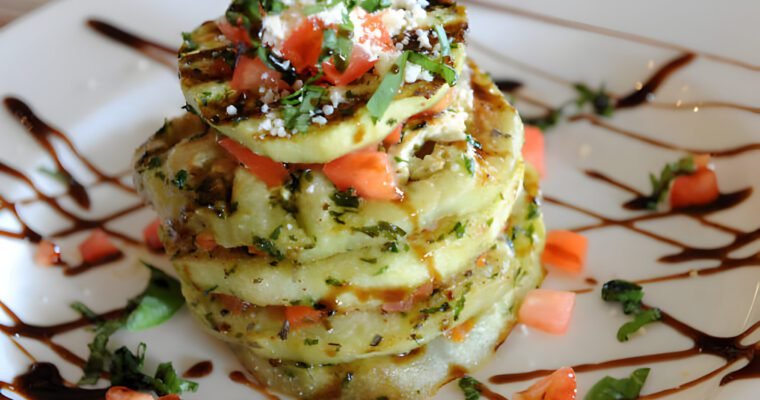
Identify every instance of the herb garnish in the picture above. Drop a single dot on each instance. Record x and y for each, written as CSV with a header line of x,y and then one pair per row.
x,y
60,176
310,342
188,42
373,5
619,389
268,247
459,229
127,370
661,185
180,179
469,164
443,39
629,295
299,107
335,282
470,387
387,229
600,100
381,99
347,199
435,67
158,302
381,270
432,310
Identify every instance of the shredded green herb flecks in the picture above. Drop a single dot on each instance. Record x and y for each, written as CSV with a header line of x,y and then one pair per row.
x,y
268,247
469,164
276,233
159,301
609,388
661,184
369,260
381,270
384,228
311,342
346,199
600,100
188,42
335,282
59,176
459,229
630,295
433,310
473,142
374,5
470,387
180,179
459,306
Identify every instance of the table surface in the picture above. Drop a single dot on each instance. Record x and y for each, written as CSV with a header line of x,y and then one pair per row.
x,y
12,9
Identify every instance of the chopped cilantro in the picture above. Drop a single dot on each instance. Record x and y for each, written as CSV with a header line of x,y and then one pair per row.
x,y
276,233
610,388
459,306
127,370
639,320
310,342
600,100
188,42
473,142
369,260
432,310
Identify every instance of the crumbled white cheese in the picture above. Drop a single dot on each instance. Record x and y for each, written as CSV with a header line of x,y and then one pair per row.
x,y
394,21
265,108
337,96
232,110
320,120
328,110
332,15
423,39
415,72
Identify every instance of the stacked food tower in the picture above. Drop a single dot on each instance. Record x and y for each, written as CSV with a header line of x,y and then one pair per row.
x,y
345,201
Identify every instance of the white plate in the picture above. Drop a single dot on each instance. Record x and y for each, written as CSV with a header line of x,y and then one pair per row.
x,y
109,98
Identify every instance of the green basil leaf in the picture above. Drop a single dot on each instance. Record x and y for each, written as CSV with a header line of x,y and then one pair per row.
x,y
643,318
443,39
388,88
373,5
470,387
627,293
160,300
435,67
610,388
99,353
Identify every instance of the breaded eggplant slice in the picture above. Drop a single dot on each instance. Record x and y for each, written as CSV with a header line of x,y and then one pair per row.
x,y
415,375
206,71
444,173
348,332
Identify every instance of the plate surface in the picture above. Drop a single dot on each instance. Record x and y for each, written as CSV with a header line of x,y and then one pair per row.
x,y
108,98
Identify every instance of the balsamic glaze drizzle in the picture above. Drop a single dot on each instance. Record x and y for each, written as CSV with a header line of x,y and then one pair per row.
x,y
43,380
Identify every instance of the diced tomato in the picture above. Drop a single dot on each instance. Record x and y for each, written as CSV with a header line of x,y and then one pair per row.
x,y
533,149
565,250
702,161
482,260
205,241
150,235
299,316
170,397
48,253
438,107
236,34
369,172
697,189
251,74
420,294
98,248
358,65
547,310
560,385
459,333
375,32
232,304
123,393
271,172
303,47
394,137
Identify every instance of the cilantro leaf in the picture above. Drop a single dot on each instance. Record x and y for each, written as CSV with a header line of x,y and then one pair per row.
x,y
159,302
610,388
459,229
127,370
435,67
600,100
470,387
387,229
347,199
643,318
389,87
268,247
